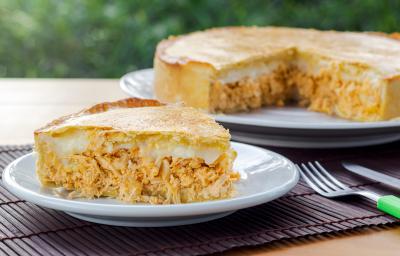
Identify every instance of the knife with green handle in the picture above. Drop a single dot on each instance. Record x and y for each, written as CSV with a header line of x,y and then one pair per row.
x,y
389,204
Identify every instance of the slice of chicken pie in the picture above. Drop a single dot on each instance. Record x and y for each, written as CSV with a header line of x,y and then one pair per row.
x,y
137,151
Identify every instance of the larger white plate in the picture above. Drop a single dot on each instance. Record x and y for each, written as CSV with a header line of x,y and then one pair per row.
x,y
288,126
274,177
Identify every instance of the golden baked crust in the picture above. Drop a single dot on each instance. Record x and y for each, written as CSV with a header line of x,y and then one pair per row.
x,y
226,47
142,117
103,107
137,151
191,68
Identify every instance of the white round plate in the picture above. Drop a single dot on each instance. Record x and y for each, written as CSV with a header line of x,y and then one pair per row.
x,y
284,127
277,176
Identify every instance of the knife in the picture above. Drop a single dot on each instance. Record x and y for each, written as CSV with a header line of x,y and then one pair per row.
x,y
371,174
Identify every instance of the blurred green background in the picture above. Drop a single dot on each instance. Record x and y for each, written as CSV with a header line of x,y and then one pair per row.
x,y
77,38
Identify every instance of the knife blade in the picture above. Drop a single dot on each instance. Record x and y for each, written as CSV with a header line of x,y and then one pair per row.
x,y
371,174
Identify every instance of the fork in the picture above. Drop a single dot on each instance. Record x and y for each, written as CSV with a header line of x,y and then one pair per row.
x,y
319,179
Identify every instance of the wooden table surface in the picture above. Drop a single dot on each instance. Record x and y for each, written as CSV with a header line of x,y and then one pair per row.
x,y
27,104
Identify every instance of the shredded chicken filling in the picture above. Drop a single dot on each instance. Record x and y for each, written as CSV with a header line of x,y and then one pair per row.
x,y
326,93
126,175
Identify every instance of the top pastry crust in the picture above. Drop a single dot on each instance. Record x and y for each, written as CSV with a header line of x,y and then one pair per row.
x,y
142,116
228,47
98,108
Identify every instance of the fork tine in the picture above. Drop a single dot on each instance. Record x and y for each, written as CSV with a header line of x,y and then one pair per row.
x,y
323,178
333,179
315,179
309,182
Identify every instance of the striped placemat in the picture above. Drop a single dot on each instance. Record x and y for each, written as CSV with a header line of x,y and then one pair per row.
x,y
301,214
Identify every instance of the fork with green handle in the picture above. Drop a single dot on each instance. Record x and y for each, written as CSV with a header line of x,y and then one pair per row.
x,y
319,179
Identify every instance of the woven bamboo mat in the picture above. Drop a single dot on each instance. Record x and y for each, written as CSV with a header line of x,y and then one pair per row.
x,y
301,214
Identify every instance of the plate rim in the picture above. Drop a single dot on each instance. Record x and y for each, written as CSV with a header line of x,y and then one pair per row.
x,y
224,118
134,210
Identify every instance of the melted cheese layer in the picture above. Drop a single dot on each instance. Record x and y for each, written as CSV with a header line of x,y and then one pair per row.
x,y
78,141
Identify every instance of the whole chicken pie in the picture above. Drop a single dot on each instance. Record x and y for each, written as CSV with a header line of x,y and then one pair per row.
x,y
138,151
350,75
